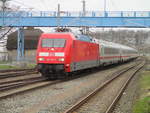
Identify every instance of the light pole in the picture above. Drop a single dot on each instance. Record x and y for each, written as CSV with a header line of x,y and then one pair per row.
x,y
84,7
3,9
84,28
58,16
104,5
104,11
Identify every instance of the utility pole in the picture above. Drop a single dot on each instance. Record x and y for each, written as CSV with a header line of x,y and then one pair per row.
x,y
84,28
84,8
3,9
104,5
104,13
58,16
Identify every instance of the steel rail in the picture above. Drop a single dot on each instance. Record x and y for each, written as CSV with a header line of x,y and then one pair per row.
x,y
19,80
22,83
17,74
94,92
14,70
9,93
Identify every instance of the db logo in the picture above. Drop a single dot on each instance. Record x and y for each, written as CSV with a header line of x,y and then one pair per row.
x,y
52,49
51,54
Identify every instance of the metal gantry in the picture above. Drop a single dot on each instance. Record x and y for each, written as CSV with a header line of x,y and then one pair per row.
x,y
76,19
20,46
71,19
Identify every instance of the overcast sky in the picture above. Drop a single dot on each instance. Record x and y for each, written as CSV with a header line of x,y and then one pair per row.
x,y
76,5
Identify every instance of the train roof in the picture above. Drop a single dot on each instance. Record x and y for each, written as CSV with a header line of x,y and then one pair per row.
x,y
93,40
76,36
114,45
84,38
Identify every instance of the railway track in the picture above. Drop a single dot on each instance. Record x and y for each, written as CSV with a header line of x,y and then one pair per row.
x,y
78,106
16,70
19,83
17,73
10,84
118,96
8,90
3,82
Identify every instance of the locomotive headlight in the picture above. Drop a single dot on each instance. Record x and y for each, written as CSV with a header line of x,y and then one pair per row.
x,y
41,59
61,59
67,65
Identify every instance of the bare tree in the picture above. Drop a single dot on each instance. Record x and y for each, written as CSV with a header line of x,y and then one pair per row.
x,y
130,38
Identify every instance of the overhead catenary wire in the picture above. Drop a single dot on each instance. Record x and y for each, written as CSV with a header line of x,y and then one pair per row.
x,y
26,5
3,35
114,4
44,2
44,5
6,33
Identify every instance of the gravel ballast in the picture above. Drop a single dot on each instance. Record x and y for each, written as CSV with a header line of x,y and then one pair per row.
x,y
55,98
126,102
100,102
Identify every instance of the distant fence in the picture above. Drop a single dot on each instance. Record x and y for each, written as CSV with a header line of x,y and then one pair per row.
x,y
30,56
75,14
3,56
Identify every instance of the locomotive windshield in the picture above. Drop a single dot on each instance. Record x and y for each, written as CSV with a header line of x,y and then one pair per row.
x,y
53,42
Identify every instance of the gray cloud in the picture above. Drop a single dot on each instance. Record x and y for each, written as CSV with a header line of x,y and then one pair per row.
x,y
76,5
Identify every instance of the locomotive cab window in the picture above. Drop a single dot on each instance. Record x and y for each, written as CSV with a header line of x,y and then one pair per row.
x,y
53,42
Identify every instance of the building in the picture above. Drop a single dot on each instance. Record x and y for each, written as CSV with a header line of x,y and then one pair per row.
x,y
31,40
3,50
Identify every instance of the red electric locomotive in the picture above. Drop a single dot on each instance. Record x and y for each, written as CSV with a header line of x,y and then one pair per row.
x,y
61,53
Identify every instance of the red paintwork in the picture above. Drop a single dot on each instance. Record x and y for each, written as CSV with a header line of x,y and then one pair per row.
x,y
85,51
75,50
51,59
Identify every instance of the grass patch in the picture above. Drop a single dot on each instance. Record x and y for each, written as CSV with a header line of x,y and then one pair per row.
x,y
142,106
9,66
4,62
2,67
145,80
31,65
143,103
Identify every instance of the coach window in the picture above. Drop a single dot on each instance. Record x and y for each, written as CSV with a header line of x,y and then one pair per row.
x,y
101,50
107,51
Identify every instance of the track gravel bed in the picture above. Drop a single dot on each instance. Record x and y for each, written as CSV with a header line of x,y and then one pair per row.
x,y
19,78
29,87
56,98
6,73
125,104
100,102
16,70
